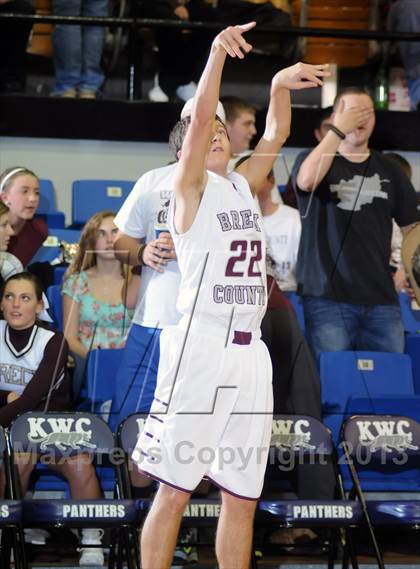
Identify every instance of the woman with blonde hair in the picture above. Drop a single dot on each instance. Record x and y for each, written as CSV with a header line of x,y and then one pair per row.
x,y
97,290
19,190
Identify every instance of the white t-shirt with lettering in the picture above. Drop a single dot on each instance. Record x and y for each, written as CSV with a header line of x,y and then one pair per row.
x,y
146,206
282,230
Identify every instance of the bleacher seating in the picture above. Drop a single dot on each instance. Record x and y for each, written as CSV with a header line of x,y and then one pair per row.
x,y
47,208
50,249
102,367
351,378
91,196
55,299
410,313
296,302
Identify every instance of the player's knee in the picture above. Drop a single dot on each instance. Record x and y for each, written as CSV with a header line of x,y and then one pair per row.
x,y
172,500
238,506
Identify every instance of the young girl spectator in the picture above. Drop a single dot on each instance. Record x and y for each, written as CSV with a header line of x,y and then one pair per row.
x,y
9,264
94,289
43,382
19,190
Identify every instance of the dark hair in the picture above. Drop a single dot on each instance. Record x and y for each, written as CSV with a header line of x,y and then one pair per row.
x,y
234,106
29,277
177,136
350,91
324,114
179,132
401,161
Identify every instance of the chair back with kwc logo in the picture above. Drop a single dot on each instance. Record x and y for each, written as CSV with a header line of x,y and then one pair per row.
x,y
302,438
11,516
65,436
388,445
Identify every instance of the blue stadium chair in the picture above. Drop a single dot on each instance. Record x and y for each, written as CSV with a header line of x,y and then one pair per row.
x,y
47,208
412,349
55,299
410,314
388,445
296,302
302,438
102,367
61,435
364,376
91,196
50,249
47,201
11,516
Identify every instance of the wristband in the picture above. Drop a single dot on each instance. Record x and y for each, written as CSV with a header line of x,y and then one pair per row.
x,y
336,131
140,254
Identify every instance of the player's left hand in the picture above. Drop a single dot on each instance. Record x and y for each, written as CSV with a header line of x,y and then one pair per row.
x,y
301,76
231,40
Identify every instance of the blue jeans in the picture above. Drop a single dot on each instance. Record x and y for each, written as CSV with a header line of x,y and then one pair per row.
x,y
78,49
334,326
136,378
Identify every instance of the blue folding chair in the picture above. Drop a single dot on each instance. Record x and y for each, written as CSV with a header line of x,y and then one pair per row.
x,y
388,445
303,438
91,196
11,515
50,249
410,313
412,349
63,435
102,367
296,302
55,299
351,382
47,208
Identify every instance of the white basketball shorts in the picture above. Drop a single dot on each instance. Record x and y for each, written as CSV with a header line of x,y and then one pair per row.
x,y
211,416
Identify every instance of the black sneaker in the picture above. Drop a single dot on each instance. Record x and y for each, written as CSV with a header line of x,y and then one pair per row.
x,y
185,555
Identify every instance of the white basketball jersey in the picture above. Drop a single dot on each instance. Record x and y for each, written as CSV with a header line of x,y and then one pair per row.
x,y
18,368
222,258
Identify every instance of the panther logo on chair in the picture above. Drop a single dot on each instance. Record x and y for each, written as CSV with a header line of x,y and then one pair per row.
x,y
64,441
293,441
389,443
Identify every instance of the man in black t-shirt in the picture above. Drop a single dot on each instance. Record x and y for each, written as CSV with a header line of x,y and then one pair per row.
x,y
343,264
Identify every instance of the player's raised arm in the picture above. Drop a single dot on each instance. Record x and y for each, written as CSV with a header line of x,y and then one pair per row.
x,y
277,126
190,177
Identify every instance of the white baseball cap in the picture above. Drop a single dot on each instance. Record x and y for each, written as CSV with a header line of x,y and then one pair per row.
x,y
186,110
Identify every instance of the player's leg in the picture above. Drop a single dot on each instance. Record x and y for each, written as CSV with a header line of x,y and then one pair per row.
x,y
160,530
234,532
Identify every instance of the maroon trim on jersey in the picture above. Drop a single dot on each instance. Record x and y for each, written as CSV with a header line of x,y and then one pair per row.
x,y
242,338
230,491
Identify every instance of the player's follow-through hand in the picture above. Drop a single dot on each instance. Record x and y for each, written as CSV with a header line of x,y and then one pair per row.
x,y
231,40
301,76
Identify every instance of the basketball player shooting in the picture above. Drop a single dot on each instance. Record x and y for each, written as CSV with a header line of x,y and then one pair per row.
x,y
211,416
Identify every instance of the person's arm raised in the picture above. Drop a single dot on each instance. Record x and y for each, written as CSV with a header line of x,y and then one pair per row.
x,y
277,125
190,177
316,165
